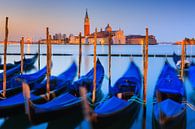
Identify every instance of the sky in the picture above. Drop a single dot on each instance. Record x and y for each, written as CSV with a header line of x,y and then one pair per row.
x,y
168,20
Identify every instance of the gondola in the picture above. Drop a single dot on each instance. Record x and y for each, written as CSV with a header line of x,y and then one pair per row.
x,y
15,70
11,73
28,63
120,104
67,105
169,111
177,61
33,79
14,105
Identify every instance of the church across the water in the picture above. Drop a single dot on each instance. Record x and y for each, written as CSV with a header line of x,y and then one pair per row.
x,y
103,36
117,36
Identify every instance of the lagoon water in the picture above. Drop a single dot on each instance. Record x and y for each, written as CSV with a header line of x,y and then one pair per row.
x,y
61,61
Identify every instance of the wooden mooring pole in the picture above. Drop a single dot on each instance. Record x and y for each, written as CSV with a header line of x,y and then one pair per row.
x,y
109,61
145,71
80,54
22,54
94,61
183,55
48,37
145,66
5,57
39,52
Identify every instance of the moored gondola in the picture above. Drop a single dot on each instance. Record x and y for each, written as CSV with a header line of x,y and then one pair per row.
x,y
169,111
14,105
177,61
16,69
120,102
11,73
67,105
28,63
33,79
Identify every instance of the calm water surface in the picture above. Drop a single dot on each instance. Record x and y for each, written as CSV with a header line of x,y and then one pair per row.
x,y
118,67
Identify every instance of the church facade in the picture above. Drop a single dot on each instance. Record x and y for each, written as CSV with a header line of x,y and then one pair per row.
x,y
117,36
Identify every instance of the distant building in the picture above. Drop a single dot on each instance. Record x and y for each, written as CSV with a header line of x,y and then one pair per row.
x,y
86,25
75,39
58,38
117,36
187,41
140,39
43,41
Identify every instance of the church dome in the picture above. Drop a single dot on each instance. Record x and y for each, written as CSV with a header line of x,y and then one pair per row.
x,y
108,28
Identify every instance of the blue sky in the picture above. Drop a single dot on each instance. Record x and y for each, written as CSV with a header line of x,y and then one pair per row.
x,y
168,20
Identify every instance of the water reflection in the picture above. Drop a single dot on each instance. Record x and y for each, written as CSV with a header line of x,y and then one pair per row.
x,y
85,58
144,117
125,121
68,122
28,48
177,121
16,122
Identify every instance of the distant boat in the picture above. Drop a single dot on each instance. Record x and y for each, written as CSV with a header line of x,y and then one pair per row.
x,y
169,111
120,104
67,105
14,105
177,61
28,63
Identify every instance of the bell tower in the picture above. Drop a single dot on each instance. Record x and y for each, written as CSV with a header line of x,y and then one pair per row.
x,y
86,25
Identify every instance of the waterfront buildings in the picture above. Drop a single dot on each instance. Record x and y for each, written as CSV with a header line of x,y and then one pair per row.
x,y
58,38
139,39
187,41
75,39
103,36
117,36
